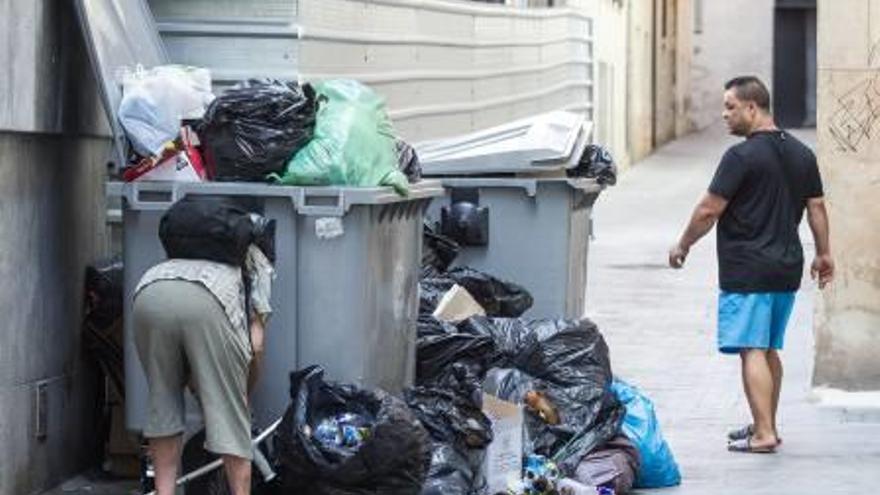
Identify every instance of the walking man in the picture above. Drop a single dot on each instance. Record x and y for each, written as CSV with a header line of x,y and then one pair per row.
x,y
758,196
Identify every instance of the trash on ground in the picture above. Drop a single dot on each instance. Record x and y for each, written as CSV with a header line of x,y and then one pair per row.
x,y
567,361
457,305
641,426
387,451
498,298
460,432
345,430
504,456
538,403
613,465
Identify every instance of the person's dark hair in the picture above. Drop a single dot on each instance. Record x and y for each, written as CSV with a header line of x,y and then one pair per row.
x,y
750,88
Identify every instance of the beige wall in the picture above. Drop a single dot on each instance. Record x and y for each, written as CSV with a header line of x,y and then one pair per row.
x,y
736,39
668,76
848,314
684,59
640,89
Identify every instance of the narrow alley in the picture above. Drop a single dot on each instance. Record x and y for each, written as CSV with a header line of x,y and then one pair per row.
x,y
660,325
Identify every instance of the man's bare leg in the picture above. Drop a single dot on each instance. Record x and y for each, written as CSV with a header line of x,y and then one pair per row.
x,y
775,362
238,472
758,385
165,452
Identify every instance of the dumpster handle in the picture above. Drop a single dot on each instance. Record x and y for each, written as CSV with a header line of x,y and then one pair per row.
x,y
149,199
324,203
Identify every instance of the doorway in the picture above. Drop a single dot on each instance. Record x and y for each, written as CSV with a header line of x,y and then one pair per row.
x,y
794,63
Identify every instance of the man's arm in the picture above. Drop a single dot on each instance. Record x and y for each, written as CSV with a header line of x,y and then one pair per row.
x,y
705,214
822,268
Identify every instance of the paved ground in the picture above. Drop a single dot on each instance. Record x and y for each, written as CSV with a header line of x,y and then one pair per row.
x,y
660,326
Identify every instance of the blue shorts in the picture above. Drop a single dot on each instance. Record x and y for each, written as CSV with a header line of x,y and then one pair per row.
x,y
753,320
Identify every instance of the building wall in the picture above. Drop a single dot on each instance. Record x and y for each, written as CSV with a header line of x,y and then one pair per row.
x,y
51,227
640,92
444,67
734,38
848,314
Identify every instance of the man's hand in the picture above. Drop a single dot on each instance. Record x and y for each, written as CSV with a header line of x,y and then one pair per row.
x,y
822,269
677,255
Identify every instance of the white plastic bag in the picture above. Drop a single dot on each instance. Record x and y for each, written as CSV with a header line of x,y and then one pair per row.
x,y
155,100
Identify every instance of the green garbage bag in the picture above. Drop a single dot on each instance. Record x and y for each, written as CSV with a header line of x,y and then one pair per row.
x,y
353,142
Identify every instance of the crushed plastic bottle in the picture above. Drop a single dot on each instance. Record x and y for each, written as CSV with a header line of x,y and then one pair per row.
x,y
344,430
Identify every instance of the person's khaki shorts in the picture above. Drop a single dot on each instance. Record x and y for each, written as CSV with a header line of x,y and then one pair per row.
x,y
182,333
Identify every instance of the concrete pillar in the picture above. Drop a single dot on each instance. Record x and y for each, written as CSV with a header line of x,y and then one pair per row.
x,y
848,314
52,162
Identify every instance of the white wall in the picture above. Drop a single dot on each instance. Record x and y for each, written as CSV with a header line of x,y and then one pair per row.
x,y
451,67
445,67
736,39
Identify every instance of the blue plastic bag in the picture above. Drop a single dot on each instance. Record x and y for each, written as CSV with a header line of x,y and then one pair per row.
x,y
641,426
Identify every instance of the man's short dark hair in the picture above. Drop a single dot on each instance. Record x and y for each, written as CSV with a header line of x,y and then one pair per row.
x,y
750,88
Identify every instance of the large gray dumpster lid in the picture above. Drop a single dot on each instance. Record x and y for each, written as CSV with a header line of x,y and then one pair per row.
x,y
549,141
119,34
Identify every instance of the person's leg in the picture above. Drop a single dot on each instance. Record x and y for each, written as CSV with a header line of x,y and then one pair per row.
x,y
775,363
238,472
165,452
157,339
783,304
758,385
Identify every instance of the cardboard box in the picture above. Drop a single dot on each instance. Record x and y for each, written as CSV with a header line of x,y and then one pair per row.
x,y
503,465
457,305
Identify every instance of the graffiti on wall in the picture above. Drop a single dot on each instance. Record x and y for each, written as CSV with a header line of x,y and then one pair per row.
x,y
856,117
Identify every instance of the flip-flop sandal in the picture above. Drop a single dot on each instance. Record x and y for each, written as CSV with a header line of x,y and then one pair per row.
x,y
740,433
745,432
744,445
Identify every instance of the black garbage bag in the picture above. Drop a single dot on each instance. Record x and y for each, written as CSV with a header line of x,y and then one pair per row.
x,y
451,360
460,431
454,472
104,292
596,163
567,362
392,458
408,161
252,129
450,418
498,297
438,252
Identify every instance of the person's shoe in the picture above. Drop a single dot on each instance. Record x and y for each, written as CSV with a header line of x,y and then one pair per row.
x,y
745,445
745,432
740,433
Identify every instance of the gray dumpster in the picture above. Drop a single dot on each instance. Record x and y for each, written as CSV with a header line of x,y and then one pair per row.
x,y
345,296
537,220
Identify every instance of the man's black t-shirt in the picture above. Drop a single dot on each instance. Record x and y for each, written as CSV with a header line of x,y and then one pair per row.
x,y
767,180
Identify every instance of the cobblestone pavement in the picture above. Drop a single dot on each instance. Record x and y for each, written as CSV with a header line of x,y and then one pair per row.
x,y
660,324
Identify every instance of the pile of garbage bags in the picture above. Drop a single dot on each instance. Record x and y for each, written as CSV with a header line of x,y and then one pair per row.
x,y
559,370
335,132
583,431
